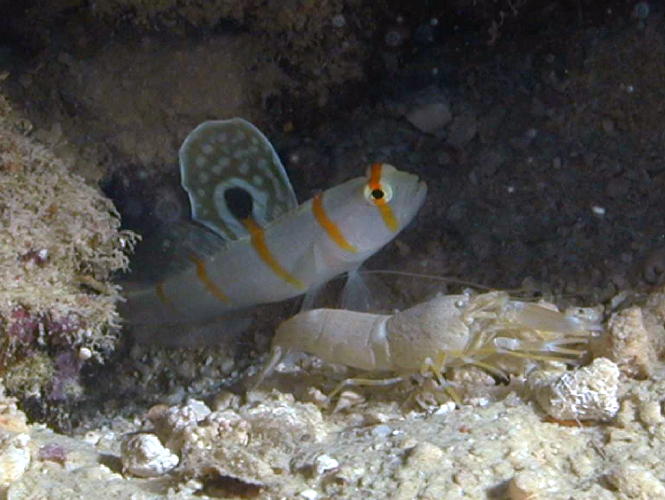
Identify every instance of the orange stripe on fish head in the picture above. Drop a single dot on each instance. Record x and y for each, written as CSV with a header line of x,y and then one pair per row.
x,y
379,194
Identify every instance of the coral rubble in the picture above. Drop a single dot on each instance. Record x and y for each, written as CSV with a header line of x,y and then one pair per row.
x,y
60,240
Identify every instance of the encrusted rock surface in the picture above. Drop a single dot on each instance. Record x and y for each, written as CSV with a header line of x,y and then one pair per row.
x,y
275,446
143,455
629,342
587,393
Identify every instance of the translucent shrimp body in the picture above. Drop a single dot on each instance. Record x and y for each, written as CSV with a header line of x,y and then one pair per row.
x,y
488,330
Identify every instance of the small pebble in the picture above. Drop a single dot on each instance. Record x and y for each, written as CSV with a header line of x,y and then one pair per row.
x,y
382,431
348,399
650,413
14,458
532,485
84,354
143,455
325,463
445,408
52,452
429,117
425,457
309,494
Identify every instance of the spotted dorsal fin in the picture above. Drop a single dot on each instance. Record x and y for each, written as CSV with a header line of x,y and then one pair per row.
x,y
231,171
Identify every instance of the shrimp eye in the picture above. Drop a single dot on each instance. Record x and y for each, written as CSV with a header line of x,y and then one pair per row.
x,y
378,195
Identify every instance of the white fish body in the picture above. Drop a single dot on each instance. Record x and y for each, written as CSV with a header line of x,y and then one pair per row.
x,y
269,249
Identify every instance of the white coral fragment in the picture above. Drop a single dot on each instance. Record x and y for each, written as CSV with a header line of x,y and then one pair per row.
x,y
588,393
144,455
14,458
325,463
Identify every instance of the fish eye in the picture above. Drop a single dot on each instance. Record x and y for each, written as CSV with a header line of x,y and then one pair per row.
x,y
378,195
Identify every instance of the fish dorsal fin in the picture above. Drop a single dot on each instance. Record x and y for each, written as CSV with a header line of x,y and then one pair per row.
x,y
227,162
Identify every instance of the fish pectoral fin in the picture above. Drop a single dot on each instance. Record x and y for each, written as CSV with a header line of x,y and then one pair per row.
x,y
356,295
232,172
313,294
314,262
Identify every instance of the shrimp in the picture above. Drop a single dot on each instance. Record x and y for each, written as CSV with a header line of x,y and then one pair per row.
x,y
489,330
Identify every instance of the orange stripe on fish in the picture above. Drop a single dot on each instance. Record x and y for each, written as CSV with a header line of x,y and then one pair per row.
x,y
161,294
202,274
333,231
378,198
258,239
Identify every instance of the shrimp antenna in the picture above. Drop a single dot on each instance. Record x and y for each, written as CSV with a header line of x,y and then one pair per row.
x,y
434,277
515,292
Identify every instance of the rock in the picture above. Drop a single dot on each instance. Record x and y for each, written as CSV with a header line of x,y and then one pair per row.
x,y
14,457
463,129
628,343
425,457
423,460
634,481
143,455
532,485
172,423
325,463
309,494
588,393
429,117
429,111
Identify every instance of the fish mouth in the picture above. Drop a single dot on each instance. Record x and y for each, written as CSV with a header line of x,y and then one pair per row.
x,y
422,189
417,193
420,192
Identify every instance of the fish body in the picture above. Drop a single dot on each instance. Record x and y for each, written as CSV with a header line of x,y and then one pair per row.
x,y
265,248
